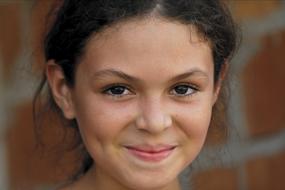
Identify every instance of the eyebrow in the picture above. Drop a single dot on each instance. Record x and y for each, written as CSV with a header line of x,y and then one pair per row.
x,y
117,73
112,72
189,73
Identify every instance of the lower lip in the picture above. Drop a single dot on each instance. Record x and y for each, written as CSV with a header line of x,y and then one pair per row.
x,y
151,157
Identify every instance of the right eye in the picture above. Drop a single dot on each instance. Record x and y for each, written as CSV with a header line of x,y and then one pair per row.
x,y
117,91
183,90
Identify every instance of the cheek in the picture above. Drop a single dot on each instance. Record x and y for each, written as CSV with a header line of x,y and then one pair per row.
x,y
195,120
103,122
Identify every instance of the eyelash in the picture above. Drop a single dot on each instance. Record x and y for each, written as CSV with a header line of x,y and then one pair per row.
x,y
192,88
107,90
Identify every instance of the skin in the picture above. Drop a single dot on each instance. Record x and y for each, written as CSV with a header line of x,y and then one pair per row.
x,y
158,56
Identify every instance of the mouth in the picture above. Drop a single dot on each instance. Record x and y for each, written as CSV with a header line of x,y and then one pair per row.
x,y
151,153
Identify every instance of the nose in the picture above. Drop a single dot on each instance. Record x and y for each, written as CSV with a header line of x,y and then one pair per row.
x,y
153,118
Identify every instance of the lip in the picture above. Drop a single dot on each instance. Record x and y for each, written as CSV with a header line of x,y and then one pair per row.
x,y
151,153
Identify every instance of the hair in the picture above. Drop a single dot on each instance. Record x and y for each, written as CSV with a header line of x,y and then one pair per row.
x,y
74,22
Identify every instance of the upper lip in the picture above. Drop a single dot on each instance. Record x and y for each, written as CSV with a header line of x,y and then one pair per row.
x,y
151,148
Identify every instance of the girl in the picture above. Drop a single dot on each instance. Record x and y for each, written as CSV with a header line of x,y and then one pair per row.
x,y
138,80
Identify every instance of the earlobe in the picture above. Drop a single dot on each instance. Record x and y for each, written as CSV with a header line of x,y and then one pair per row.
x,y
61,92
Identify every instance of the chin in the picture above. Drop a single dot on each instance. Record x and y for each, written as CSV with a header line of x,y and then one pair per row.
x,y
150,181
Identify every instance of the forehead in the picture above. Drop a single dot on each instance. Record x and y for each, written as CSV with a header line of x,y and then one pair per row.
x,y
150,42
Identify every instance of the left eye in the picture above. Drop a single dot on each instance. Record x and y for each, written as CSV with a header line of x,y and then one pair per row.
x,y
117,91
183,90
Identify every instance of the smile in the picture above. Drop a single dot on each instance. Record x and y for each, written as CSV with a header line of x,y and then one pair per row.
x,y
151,154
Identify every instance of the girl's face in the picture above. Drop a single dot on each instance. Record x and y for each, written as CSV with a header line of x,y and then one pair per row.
x,y
143,99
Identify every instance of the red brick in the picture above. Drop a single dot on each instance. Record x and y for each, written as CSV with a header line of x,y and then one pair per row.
x,y
244,10
216,179
263,80
267,173
10,35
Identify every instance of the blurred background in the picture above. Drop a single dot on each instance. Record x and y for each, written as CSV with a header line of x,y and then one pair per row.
x,y
252,157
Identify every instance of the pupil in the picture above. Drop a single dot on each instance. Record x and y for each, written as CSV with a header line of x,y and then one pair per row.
x,y
181,89
117,90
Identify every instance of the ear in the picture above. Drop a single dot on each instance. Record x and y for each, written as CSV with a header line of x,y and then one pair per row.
x,y
219,82
60,90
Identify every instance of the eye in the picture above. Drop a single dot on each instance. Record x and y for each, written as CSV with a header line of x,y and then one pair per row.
x,y
117,91
183,90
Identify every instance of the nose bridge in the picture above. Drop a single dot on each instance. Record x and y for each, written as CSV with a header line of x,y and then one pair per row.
x,y
153,112
153,117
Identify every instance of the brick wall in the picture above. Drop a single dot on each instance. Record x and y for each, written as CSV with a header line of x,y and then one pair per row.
x,y
253,156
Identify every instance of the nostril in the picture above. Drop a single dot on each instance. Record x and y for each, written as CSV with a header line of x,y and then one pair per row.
x,y
168,121
153,123
140,122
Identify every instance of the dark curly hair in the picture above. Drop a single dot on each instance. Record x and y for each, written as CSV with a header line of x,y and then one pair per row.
x,y
76,21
